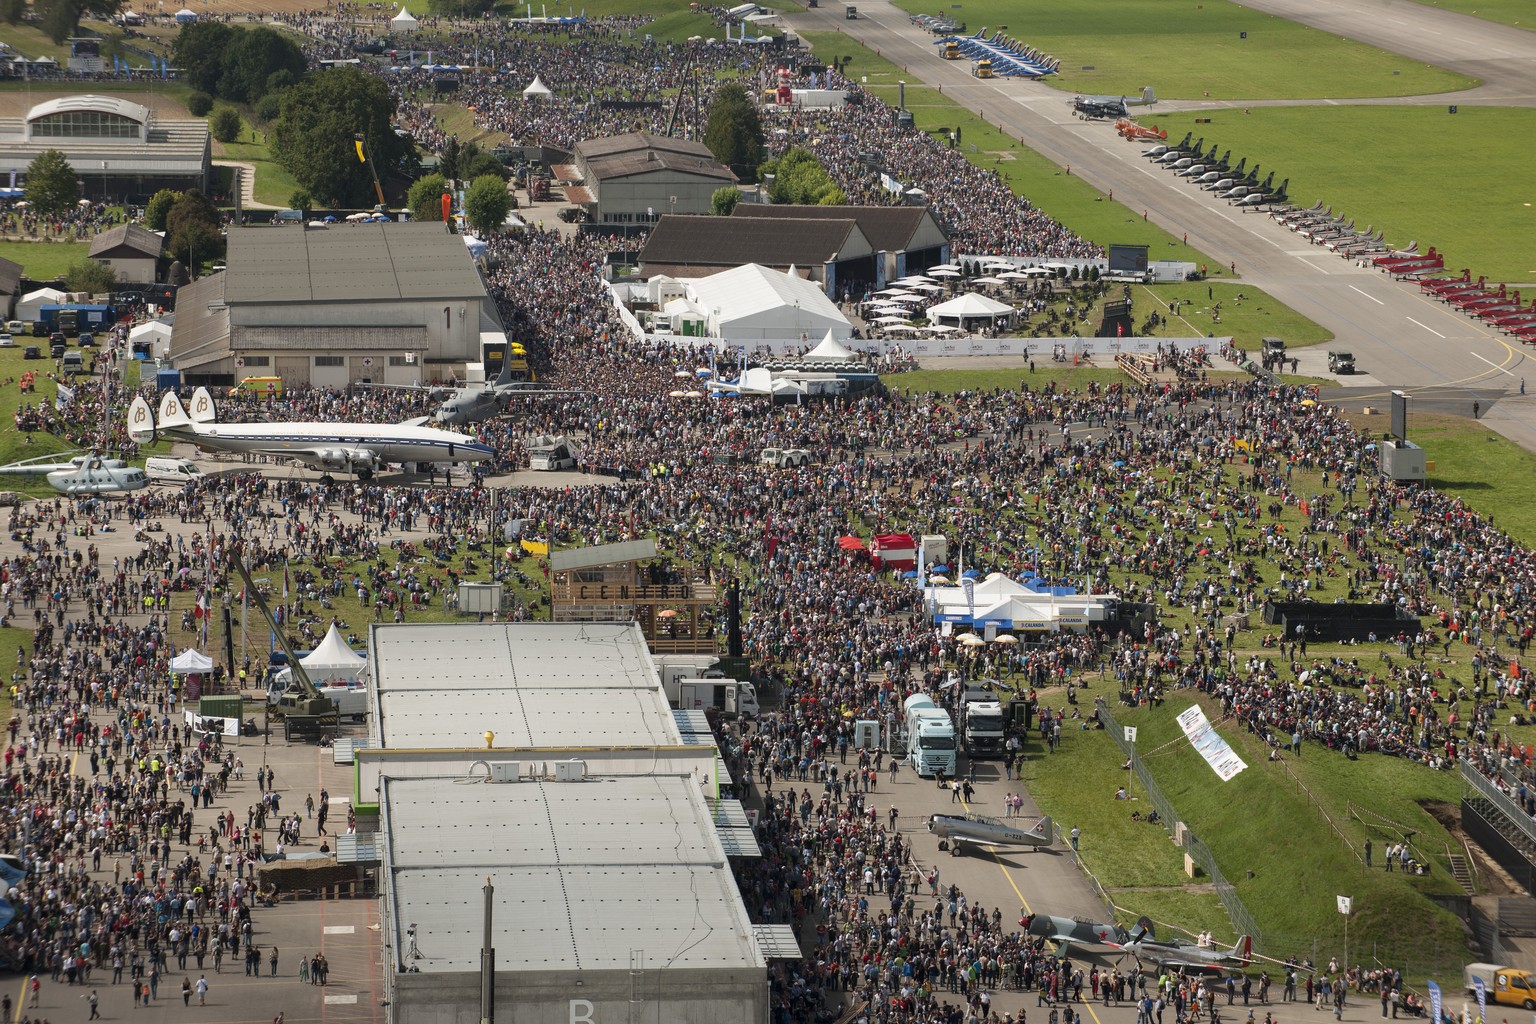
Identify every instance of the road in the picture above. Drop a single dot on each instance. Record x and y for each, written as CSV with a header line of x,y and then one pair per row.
x,y
1400,339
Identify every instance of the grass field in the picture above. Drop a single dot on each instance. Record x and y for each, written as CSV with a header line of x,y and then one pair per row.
x,y
1191,51
1247,314
44,261
1375,163
273,184
1069,199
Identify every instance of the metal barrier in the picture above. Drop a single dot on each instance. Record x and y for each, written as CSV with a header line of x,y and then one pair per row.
x,y
1242,921
1501,801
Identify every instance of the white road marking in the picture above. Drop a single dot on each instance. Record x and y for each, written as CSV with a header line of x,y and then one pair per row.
x,y
1491,363
1431,330
341,999
1371,297
340,929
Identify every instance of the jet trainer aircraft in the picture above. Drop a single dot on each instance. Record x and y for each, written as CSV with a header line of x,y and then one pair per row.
x,y
958,830
1186,955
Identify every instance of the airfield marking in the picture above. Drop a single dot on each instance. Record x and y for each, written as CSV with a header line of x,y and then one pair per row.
x,y
1491,363
340,929
1369,296
999,861
352,998
1431,330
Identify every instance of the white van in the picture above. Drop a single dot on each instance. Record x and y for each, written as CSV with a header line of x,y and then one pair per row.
x,y
172,471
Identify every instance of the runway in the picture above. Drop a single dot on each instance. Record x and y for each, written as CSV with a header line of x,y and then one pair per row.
x,y
1395,333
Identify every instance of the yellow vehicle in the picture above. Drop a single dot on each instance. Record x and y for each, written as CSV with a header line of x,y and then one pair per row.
x,y
270,387
1508,985
951,50
982,68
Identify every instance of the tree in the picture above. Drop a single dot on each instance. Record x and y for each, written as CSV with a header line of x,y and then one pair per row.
x,y
313,136
734,132
192,230
256,60
200,53
158,207
61,18
799,178
90,276
225,124
300,199
724,200
51,183
487,203
425,197
199,104
12,10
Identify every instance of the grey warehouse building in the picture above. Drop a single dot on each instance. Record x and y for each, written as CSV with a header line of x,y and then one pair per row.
x,y
591,806
335,306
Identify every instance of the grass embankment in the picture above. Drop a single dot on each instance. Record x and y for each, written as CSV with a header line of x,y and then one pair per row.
x,y
1195,51
274,185
1372,164
44,260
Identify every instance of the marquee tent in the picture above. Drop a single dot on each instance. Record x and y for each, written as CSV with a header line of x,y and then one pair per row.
x,y
185,16
537,90
30,306
404,22
190,662
832,350
969,307
1007,604
333,660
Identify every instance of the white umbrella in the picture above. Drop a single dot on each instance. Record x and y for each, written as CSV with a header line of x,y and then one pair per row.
x,y
945,273
893,292
901,327
942,329
1014,275
986,280
891,320
930,287
945,266
1036,272
915,279
693,394
683,373
675,394
999,265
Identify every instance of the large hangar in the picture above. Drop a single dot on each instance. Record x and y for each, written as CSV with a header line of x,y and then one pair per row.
x,y
545,757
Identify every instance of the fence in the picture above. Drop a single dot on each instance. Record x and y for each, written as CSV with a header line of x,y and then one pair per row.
x,y
1474,780
1242,920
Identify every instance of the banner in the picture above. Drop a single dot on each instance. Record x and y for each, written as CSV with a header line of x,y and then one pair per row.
x,y
1346,904
1205,739
536,547
1434,1002
1481,988
212,723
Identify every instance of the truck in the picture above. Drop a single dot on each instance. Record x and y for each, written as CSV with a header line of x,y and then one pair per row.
x,y
982,721
730,696
850,12
1507,985
284,694
552,453
930,737
784,458
306,711
1341,363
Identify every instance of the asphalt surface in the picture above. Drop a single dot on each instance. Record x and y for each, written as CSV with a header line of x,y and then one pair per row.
x,y
1400,339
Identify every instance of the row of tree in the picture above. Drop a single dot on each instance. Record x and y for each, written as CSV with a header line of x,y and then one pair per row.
x,y
237,64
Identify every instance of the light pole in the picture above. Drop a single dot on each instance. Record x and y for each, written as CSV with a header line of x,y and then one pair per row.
x,y
103,181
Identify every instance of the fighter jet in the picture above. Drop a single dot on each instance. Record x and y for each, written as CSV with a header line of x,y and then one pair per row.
x,y
957,830
1186,955
462,406
1069,931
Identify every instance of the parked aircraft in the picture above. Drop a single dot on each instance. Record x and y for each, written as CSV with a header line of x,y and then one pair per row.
x,y
42,465
1192,171
360,448
957,830
462,406
1111,106
1181,953
98,476
1066,932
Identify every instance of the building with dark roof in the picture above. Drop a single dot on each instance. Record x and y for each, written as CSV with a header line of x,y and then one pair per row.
x,y
390,303
631,181
131,250
831,251
909,238
119,148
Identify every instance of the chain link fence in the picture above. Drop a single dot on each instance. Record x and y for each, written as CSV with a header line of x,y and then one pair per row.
x,y
1242,920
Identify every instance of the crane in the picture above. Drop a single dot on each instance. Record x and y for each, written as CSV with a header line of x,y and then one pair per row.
x,y
361,141
306,711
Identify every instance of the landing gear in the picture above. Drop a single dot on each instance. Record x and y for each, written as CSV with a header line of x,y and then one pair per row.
x,y
365,474
327,480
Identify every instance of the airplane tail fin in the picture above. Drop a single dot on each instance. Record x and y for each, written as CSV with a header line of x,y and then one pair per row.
x,y
1044,827
203,408
1143,929
1244,949
141,421
505,376
172,412
1147,95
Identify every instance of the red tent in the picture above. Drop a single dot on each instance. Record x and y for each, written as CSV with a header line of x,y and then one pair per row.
x,y
850,543
896,550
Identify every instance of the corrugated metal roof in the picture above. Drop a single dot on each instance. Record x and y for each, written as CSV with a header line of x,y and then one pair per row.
x,y
178,148
603,554
349,262
132,238
684,241
584,873
358,848
888,228
777,941
538,684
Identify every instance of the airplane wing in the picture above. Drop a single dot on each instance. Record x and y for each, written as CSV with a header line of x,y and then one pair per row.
x,y
338,457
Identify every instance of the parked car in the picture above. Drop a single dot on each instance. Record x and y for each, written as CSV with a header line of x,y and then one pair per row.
x,y
6,341
32,352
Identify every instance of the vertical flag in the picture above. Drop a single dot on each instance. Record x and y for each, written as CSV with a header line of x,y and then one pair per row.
x,y
1481,988
1434,1002
968,585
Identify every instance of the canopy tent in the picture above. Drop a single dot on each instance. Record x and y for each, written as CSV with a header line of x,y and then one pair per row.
x,y
537,90
476,247
832,350
190,662
31,304
1007,604
333,660
154,333
185,16
895,550
970,306
405,21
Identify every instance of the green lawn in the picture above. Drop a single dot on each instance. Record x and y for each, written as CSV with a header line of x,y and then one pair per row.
x,y
1377,164
1247,314
44,261
274,184
1065,197
1191,51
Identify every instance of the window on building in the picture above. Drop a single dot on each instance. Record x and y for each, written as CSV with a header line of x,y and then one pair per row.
x,y
258,361
85,124
330,360
398,361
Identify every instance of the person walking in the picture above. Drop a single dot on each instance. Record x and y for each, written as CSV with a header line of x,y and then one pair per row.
x,y
272,960
186,991
94,1000
202,990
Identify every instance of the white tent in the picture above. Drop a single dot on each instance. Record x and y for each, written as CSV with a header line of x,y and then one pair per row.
x,y
404,22
333,660
969,307
154,333
185,16
190,662
31,304
755,305
833,350
476,247
537,90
